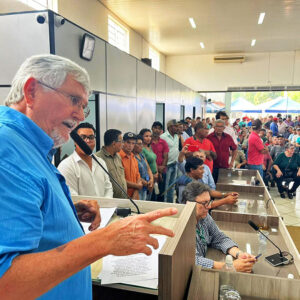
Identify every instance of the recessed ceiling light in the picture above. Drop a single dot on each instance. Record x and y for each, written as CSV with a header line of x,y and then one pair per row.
x,y
192,22
261,18
202,45
253,43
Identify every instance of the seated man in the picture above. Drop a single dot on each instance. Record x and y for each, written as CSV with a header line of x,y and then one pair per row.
x,y
83,175
130,164
209,235
194,169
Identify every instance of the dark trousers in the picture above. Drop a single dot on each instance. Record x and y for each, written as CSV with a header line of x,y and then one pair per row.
x,y
215,174
161,186
292,176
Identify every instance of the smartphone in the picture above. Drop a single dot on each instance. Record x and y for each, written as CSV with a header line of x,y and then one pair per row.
x,y
193,148
276,260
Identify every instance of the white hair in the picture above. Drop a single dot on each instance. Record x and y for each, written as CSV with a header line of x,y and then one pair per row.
x,y
49,69
219,121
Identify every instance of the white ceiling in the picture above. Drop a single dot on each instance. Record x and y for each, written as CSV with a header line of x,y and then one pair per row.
x,y
224,26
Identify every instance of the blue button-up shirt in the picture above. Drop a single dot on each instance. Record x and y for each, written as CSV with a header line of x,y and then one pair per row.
x,y
36,210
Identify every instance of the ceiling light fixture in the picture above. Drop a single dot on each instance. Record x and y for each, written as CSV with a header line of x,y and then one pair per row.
x,y
261,18
192,22
202,45
253,43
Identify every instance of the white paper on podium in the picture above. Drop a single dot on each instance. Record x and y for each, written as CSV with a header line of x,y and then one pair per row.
x,y
106,214
137,269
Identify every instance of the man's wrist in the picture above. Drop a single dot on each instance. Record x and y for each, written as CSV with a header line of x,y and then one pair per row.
x,y
238,254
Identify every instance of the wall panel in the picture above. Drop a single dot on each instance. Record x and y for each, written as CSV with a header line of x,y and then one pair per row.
x,y
121,72
121,113
21,36
160,87
68,42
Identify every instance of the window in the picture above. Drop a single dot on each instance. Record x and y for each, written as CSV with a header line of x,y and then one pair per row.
x,y
118,35
154,56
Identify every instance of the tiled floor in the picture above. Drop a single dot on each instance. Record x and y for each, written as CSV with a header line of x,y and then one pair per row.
x,y
288,209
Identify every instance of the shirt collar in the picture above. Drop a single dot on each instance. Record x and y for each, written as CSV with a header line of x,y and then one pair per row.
x,y
27,128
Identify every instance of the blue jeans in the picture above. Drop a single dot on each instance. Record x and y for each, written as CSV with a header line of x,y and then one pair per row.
x,y
257,167
170,179
143,194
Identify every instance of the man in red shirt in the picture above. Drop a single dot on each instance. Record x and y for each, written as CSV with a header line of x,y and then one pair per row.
x,y
161,149
222,142
199,141
256,148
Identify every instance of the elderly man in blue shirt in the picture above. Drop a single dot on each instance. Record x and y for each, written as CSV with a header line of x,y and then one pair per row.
x,y
43,250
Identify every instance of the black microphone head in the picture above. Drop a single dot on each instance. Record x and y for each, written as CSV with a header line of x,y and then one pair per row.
x,y
81,143
253,225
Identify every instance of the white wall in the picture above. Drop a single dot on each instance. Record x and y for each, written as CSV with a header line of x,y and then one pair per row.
x,y
200,73
93,16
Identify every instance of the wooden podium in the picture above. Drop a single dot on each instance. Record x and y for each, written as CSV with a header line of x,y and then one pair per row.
x,y
176,258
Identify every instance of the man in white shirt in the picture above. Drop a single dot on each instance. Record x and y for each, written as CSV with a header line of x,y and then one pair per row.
x,y
83,175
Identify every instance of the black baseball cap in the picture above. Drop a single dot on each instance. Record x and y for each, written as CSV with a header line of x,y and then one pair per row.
x,y
129,136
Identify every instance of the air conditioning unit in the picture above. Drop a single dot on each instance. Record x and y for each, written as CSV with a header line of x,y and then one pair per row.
x,y
230,59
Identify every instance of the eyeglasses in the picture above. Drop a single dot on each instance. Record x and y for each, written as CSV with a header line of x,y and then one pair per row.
x,y
76,101
206,203
87,137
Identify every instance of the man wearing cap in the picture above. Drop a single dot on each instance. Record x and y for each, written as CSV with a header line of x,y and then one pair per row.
x,y
131,167
289,121
243,123
274,126
256,148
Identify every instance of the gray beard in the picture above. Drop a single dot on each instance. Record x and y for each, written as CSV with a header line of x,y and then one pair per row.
x,y
57,138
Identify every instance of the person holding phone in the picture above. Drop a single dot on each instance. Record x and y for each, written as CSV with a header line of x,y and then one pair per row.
x,y
199,141
208,235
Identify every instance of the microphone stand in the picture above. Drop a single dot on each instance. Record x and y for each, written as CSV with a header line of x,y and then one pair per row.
x,y
87,150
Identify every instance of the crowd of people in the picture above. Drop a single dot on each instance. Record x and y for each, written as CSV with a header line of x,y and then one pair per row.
x,y
183,163
157,158
40,223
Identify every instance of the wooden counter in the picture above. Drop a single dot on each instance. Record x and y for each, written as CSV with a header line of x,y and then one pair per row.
x,y
236,226
232,177
254,200
176,258
205,285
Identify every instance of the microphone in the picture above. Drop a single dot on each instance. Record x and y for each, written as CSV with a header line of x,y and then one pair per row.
x,y
275,259
88,151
